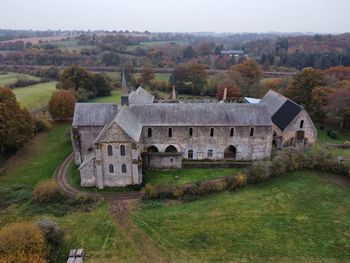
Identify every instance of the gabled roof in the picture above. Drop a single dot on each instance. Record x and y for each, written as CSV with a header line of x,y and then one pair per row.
x,y
94,114
126,120
282,109
140,96
201,114
87,159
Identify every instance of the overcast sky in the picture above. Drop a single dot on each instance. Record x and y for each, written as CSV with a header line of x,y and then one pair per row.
x,y
324,16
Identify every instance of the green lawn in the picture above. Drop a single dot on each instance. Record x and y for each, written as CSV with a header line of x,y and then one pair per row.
x,y
35,96
297,217
70,45
188,175
114,98
10,78
154,43
323,140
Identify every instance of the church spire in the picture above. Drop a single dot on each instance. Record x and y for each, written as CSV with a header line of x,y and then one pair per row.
x,y
124,92
173,94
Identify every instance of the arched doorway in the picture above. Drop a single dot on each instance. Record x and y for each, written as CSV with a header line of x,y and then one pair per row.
x,y
171,149
230,152
152,149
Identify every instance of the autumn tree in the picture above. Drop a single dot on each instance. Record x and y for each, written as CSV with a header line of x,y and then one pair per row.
x,y
233,91
248,75
339,105
340,72
147,75
178,78
16,124
197,76
302,85
61,105
319,99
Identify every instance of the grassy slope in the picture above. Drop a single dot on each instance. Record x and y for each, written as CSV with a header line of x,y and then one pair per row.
x,y
188,175
292,218
114,98
94,231
35,96
154,43
10,78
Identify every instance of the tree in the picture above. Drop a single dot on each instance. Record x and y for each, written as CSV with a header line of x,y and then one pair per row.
x,y
178,78
339,105
189,52
197,76
16,124
302,85
103,84
147,75
22,243
111,58
340,72
61,105
319,99
233,91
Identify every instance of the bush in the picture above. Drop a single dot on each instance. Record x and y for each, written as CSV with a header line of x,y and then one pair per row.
x,y
332,134
259,172
46,192
61,105
149,192
42,124
278,166
22,243
53,236
236,181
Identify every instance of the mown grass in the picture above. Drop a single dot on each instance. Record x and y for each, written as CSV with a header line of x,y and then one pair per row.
x,y
297,217
12,77
114,98
187,175
35,96
323,140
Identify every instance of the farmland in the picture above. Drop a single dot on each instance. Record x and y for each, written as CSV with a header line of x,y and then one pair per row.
x,y
154,43
10,78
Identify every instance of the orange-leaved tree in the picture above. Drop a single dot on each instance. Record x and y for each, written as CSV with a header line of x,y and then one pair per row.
x,y
61,105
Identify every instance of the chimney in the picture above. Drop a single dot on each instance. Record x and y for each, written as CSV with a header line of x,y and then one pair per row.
x,y
225,95
124,92
173,94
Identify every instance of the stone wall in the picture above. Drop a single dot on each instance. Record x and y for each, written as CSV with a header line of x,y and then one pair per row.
x,y
247,147
162,160
88,174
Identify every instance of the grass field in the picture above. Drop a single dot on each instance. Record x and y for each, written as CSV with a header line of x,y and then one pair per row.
x,y
114,98
154,43
323,140
35,96
70,45
188,175
298,217
10,78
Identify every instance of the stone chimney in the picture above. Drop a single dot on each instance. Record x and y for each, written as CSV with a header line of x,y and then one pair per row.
x,y
173,94
224,98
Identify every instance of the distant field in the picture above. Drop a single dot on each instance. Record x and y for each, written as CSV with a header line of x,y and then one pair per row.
x,y
35,96
10,78
70,45
154,43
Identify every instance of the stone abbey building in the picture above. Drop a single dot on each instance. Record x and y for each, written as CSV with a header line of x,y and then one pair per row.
x,y
114,143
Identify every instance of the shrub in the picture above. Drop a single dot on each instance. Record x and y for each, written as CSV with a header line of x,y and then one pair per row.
x,y
259,172
22,243
61,105
42,125
46,192
332,134
278,166
149,192
236,181
191,192
53,236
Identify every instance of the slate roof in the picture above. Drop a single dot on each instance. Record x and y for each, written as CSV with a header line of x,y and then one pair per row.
x,y
140,96
282,109
128,122
252,100
94,114
201,114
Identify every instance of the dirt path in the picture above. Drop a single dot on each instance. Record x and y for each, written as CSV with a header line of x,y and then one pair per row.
x,y
146,247
61,176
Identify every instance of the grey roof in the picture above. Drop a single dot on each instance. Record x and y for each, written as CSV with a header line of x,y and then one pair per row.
x,y
87,160
128,122
140,96
124,89
201,114
274,101
94,114
252,100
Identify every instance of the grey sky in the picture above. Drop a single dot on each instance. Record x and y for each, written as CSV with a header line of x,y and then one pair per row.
x,y
325,16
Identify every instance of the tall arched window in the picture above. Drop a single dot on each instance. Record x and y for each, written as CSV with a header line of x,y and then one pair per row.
x,y
232,132
210,153
190,132
110,150
170,132
111,168
211,132
122,150
124,168
149,132
251,132
301,124
190,154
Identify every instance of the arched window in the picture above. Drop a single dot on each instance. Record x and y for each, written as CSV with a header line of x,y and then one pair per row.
x,y
152,149
122,150
190,154
149,132
251,132
170,132
232,132
210,153
111,168
110,150
190,132
124,168
211,132
171,149
301,124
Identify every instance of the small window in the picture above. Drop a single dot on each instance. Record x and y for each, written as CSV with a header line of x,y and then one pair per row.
x,y
110,150
210,153
302,124
122,150
124,168
251,132
170,132
211,132
149,132
190,154
232,132
111,168
190,132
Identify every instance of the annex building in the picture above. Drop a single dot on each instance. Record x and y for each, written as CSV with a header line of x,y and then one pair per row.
x,y
114,143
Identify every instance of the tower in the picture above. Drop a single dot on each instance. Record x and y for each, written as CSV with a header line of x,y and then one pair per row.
x,y
124,92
